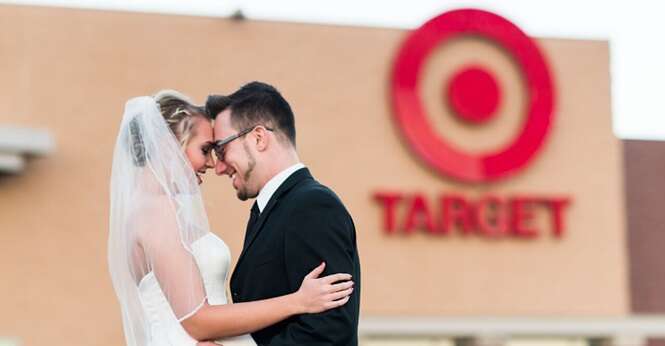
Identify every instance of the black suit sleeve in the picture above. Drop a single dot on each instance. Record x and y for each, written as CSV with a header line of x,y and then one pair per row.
x,y
321,230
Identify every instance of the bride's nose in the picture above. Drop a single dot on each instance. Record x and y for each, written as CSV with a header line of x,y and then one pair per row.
x,y
210,162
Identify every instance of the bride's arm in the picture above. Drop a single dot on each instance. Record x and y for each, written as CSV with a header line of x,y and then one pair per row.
x,y
315,295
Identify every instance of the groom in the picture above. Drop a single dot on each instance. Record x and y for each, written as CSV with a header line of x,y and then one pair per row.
x,y
295,223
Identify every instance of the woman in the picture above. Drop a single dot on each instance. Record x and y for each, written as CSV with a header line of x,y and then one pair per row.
x,y
168,269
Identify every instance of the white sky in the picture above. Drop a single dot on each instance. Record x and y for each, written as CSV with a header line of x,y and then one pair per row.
x,y
634,29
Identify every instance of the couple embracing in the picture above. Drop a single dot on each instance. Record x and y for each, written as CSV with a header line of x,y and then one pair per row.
x,y
297,280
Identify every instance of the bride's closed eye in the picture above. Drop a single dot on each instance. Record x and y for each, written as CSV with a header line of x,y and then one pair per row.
x,y
206,149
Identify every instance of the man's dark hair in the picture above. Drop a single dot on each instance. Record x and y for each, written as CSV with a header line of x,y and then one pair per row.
x,y
255,103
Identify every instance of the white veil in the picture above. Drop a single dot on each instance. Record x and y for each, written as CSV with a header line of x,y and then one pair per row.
x,y
156,214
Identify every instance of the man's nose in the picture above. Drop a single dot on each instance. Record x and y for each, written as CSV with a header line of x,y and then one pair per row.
x,y
220,167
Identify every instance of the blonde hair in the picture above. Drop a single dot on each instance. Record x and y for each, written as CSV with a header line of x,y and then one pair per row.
x,y
179,112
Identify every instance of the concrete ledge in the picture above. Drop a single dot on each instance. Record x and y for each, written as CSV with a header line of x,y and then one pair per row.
x,y
17,144
11,163
17,140
634,326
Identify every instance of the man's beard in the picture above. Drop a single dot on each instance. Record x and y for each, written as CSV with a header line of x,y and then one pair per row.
x,y
243,192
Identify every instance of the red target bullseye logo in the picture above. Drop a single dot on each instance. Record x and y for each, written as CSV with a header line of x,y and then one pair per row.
x,y
473,95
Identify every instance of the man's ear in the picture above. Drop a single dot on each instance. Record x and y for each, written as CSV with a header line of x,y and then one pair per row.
x,y
262,138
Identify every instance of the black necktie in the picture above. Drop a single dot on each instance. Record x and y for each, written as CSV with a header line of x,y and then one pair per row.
x,y
253,217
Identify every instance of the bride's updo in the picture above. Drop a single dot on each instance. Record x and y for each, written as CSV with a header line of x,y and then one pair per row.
x,y
179,112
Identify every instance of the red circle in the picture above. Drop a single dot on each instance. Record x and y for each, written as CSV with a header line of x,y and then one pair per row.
x,y
473,95
410,112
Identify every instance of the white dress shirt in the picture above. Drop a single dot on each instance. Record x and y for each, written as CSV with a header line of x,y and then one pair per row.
x,y
273,184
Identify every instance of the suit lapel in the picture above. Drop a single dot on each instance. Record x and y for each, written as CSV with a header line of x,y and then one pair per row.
x,y
286,186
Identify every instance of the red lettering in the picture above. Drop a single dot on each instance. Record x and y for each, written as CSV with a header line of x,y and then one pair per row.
x,y
419,216
557,205
455,211
491,216
521,215
388,200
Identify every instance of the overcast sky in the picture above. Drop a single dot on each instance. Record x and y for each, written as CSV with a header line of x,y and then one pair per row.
x,y
634,28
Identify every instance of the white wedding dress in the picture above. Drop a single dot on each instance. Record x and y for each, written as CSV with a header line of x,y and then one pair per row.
x,y
163,260
213,259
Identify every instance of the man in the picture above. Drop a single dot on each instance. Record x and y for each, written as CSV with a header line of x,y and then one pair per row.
x,y
295,224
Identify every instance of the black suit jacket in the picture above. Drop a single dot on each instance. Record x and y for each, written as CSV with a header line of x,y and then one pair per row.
x,y
303,224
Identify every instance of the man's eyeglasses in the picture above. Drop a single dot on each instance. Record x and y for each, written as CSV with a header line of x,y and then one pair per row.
x,y
219,145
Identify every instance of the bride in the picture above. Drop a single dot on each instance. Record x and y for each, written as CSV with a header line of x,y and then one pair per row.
x,y
168,269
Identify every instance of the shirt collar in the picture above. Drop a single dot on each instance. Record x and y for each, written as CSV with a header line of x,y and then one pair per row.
x,y
273,184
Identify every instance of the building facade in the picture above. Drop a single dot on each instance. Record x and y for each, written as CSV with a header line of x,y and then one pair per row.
x,y
493,203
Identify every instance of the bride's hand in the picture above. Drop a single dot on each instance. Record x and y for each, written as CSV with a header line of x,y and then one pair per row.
x,y
320,294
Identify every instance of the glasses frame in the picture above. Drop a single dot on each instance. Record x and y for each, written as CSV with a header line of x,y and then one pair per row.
x,y
218,146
